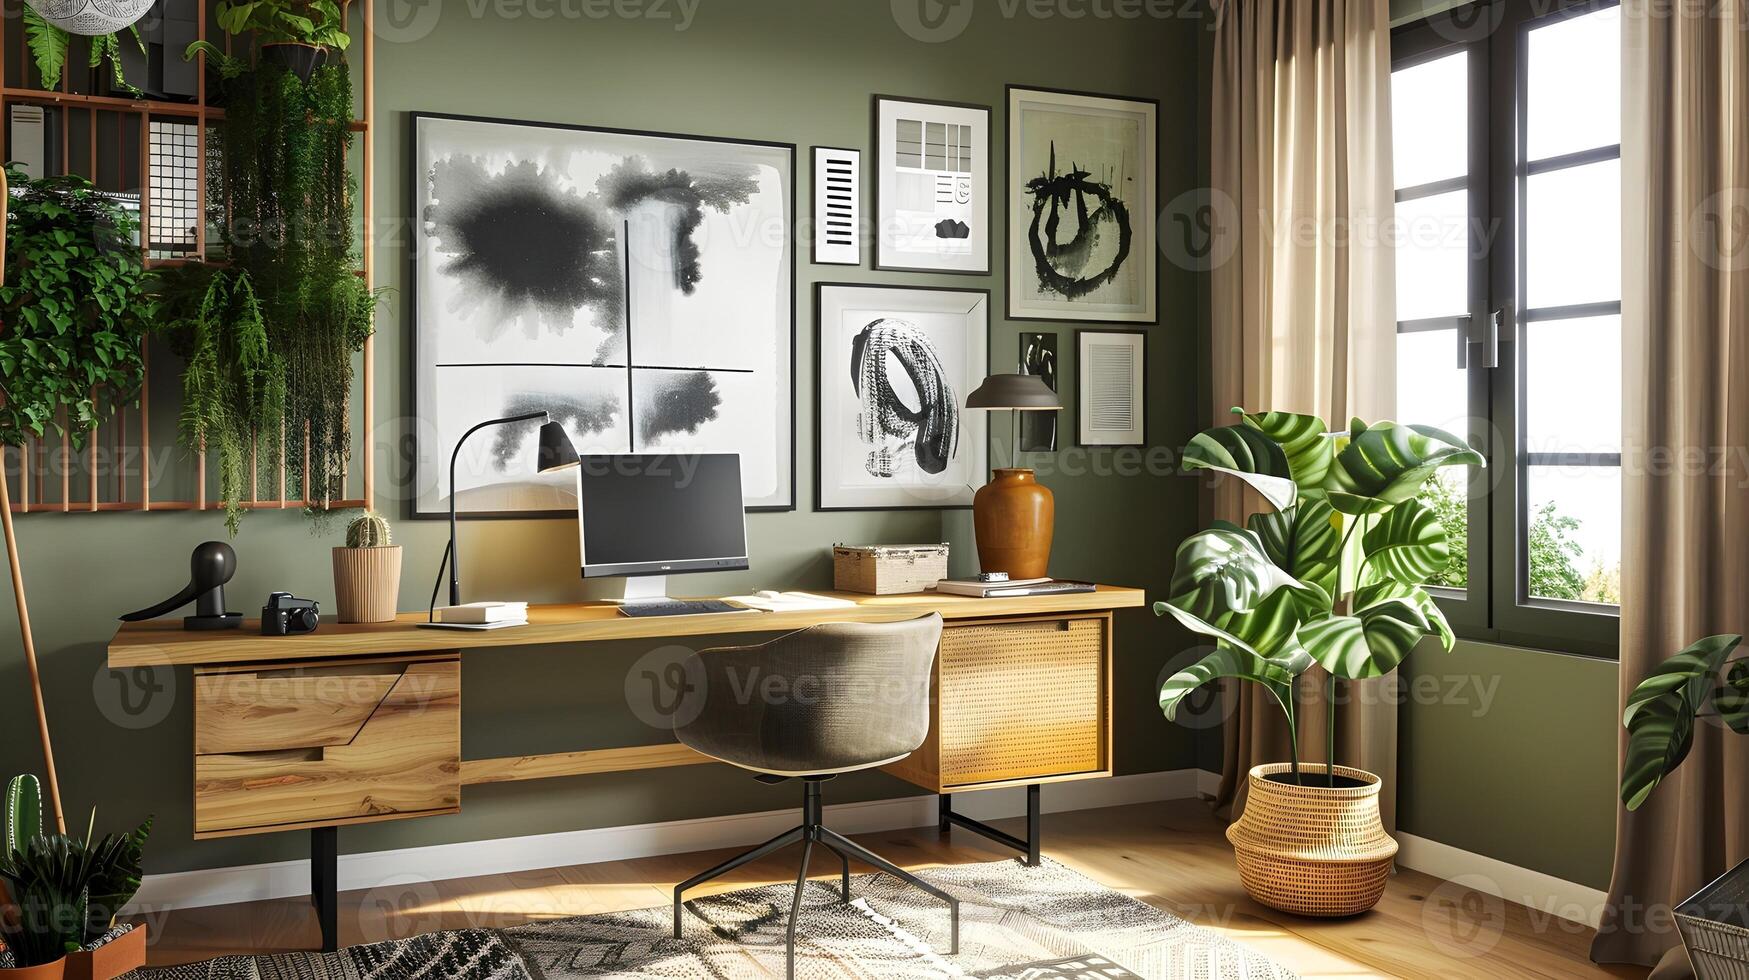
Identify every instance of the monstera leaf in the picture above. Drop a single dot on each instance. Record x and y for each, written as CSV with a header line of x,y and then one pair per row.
x,y
1231,661
1380,466
1732,699
1224,570
1247,454
1660,714
1407,544
1305,439
1302,540
1368,596
1367,644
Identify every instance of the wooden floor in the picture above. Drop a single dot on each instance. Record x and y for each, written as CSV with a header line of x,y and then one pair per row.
x,y
1170,855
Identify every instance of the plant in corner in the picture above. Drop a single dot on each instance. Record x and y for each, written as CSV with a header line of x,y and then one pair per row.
x,y
1330,576
367,572
62,894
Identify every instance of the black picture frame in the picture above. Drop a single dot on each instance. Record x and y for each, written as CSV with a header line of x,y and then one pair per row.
x,y
817,219
1008,190
1081,387
1040,432
875,191
412,511
819,394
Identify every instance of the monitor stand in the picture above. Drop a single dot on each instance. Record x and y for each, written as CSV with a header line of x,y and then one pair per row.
x,y
643,590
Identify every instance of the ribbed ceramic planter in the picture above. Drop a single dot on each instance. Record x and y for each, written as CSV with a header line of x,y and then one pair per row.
x,y
1313,849
367,583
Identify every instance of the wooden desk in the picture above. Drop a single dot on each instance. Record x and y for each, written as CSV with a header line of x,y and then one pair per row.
x,y
356,724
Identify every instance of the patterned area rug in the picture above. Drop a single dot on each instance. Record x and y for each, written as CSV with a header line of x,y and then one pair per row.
x,y
1015,922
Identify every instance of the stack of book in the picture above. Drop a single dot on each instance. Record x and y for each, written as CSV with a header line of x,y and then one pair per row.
x,y
1009,588
484,615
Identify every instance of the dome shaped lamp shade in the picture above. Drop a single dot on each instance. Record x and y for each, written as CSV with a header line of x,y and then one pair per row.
x,y
556,452
1020,392
91,17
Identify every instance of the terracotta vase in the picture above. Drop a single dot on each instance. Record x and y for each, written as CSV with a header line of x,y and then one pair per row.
x,y
1014,517
123,954
367,583
1311,848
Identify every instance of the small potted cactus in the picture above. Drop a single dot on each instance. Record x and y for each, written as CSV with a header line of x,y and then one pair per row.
x,y
367,572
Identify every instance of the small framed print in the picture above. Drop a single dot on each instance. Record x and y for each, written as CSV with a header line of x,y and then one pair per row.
x,y
1038,356
1112,387
1081,203
837,206
895,366
932,186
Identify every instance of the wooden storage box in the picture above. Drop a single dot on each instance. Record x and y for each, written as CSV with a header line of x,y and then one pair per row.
x,y
888,569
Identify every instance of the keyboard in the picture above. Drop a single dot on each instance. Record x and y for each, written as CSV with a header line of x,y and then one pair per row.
x,y
680,607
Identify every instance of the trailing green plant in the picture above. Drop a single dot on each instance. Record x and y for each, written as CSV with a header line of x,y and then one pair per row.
x,y
1331,576
233,384
49,46
62,893
368,531
76,308
318,22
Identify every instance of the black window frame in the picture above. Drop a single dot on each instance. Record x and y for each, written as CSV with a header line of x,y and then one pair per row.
x,y
1496,605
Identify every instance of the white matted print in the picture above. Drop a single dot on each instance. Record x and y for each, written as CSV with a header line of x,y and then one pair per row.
x,y
1112,387
1081,200
837,206
932,186
895,366
637,286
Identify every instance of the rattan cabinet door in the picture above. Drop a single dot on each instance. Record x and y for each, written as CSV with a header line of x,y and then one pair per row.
x,y
1021,700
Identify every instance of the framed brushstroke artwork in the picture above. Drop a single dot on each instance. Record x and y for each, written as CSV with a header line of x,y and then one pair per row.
x,y
895,366
638,286
1038,356
1081,201
931,186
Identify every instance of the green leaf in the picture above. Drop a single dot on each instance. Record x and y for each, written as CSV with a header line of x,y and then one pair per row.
x,y
48,47
1407,544
1305,439
1382,465
1371,595
1368,644
1302,540
1247,454
1660,714
24,812
1732,699
1228,661
1222,571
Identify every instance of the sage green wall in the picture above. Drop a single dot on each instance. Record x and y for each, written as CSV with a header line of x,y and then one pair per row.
x,y
798,71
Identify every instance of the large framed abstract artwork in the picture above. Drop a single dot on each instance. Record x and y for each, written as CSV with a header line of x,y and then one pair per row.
x,y
1081,199
638,286
931,186
895,366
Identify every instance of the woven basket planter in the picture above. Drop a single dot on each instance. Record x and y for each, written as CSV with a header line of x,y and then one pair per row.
x,y
367,583
1313,849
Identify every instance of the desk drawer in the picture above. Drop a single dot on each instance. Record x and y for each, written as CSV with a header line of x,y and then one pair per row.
x,y
326,743
1017,701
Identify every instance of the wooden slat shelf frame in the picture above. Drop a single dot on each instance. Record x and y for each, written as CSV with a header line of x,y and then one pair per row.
x,y
28,473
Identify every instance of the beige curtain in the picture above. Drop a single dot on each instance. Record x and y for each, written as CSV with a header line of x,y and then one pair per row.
x,y
1685,361
1303,310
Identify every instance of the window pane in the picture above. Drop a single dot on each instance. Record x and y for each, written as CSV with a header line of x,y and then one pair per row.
x,y
1432,391
1432,256
1572,389
1574,538
1429,113
1575,84
1573,236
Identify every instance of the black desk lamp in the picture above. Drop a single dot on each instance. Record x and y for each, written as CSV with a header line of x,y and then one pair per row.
x,y
556,453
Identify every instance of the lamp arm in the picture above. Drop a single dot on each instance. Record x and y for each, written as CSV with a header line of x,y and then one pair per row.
x,y
455,580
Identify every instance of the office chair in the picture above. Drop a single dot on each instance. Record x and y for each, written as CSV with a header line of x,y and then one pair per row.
x,y
830,699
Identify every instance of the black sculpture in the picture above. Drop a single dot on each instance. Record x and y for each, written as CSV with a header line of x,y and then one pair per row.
x,y
210,566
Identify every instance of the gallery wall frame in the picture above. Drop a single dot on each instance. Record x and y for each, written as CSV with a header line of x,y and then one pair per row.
x,y
978,440
1085,385
1144,213
836,173
978,261
426,463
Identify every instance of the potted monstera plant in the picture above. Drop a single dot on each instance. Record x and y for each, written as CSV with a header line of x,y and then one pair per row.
x,y
1705,681
1330,575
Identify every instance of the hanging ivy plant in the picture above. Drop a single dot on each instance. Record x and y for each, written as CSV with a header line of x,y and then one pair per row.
x,y
75,306
283,151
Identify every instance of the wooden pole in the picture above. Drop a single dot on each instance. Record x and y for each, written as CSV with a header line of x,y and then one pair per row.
x,y
36,684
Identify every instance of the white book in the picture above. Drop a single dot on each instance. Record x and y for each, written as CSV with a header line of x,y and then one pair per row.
x,y
482,613
979,590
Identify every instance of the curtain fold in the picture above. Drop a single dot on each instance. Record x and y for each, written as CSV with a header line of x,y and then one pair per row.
x,y
1685,426
1304,311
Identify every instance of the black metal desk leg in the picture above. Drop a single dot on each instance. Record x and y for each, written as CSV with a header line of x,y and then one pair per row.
x,y
1028,847
324,883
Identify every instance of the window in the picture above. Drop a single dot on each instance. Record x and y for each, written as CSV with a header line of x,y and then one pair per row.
x,y
1507,143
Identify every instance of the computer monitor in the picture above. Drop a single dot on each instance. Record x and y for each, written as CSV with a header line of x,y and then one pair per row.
x,y
645,516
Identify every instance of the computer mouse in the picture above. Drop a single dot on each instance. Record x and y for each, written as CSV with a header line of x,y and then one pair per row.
x,y
767,594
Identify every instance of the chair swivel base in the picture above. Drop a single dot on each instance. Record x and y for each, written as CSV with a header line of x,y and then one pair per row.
x,y
813,831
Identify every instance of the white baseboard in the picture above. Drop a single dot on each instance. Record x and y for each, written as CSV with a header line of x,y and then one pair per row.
x,y
1541,893
287,879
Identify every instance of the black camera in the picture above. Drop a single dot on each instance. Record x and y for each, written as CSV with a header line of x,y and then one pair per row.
x,y
287,615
